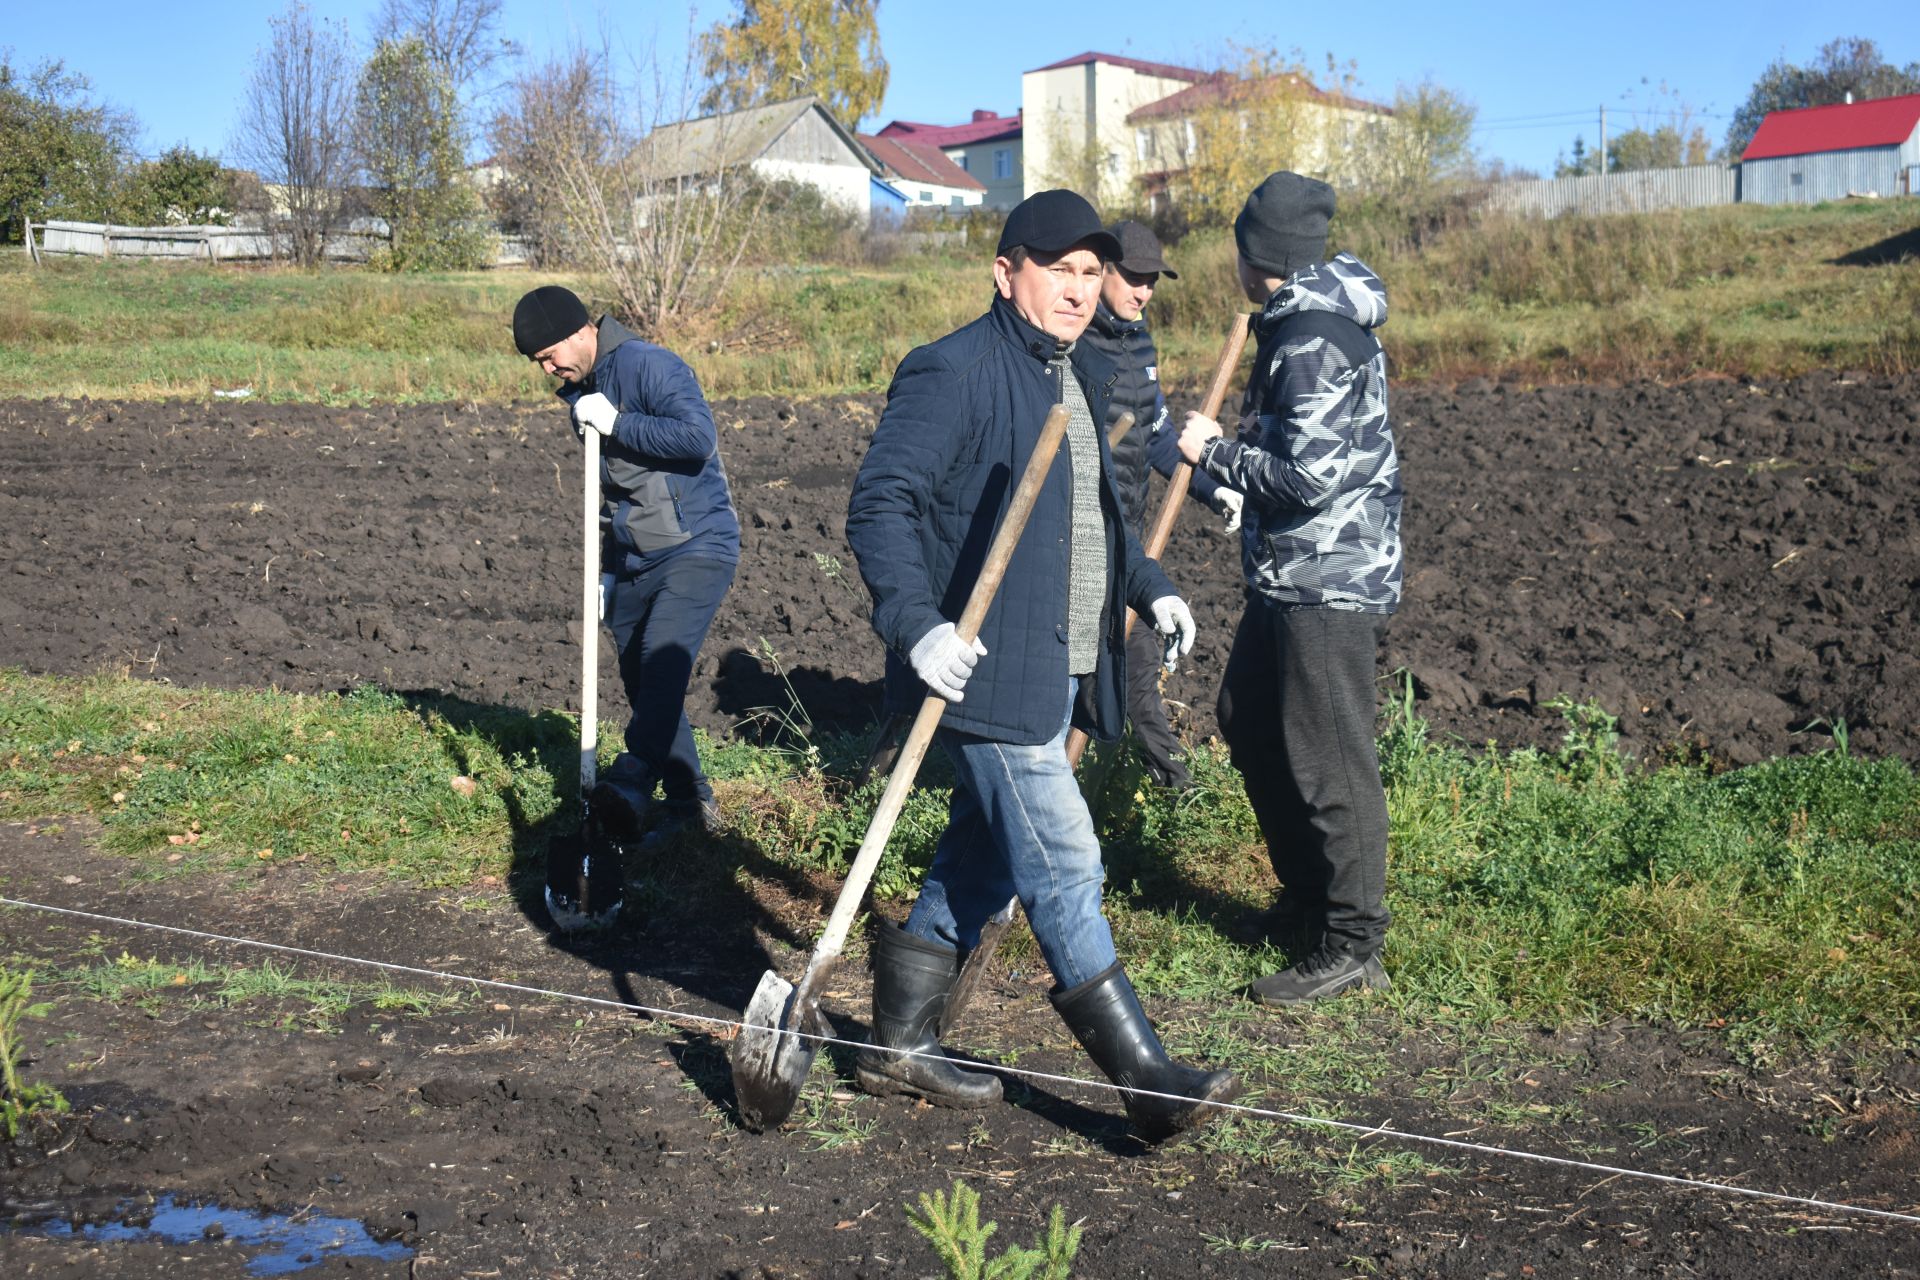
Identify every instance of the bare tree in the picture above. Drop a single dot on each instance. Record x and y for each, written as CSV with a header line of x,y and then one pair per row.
x,y
296,125
461,36
548,108
660,208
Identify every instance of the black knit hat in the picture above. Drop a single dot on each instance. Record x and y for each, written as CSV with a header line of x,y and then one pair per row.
x,y
1283,226
544,316
1055,221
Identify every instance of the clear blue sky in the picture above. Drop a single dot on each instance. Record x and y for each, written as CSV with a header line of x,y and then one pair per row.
x,y
180,69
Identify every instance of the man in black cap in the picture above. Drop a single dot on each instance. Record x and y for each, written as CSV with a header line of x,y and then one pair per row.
x,y
1119,332
962,417
669,546
1320,548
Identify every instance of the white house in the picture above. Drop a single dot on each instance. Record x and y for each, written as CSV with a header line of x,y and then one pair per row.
x,y
797,140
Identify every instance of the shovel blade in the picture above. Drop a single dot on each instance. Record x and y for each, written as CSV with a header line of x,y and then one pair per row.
x,y
584,887
771,1061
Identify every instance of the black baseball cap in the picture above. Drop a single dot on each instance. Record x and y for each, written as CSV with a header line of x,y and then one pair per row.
x,y
1055,221
1140,250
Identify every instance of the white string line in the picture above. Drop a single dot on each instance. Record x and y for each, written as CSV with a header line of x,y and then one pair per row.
x,y
676,1016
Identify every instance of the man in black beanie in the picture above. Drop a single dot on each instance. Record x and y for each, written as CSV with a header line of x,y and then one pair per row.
x,y
1320,548
670,543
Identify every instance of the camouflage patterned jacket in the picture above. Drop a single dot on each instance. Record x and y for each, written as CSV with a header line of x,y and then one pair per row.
x,y
1316,459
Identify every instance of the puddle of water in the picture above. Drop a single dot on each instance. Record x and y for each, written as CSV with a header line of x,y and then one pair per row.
x,y
288,1244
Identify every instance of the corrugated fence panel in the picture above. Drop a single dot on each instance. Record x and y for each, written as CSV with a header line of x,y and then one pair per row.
x,y
1638,191
1825,175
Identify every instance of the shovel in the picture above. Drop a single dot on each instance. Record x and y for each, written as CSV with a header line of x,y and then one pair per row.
x,y
583,870
975,965
780,1031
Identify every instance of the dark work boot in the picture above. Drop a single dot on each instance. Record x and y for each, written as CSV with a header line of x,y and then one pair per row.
x,y
911,981
1106,1018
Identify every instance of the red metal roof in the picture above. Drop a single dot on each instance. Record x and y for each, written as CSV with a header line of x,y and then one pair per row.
x,y
1165,69
984,127
1845,126
918,161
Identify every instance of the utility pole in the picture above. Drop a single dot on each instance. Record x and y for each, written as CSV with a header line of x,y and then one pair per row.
x,y
1603,137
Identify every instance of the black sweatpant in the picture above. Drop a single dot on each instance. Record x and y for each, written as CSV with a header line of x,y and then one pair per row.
x,y
1153,735
1297,711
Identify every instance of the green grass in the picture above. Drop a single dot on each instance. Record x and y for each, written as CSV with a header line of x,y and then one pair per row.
x,y
1735,290
1775,903
310,1003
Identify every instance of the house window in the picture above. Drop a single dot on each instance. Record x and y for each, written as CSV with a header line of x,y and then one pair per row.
x,y
925,194
957,201
1002,162
1143,143
961,160
1797,179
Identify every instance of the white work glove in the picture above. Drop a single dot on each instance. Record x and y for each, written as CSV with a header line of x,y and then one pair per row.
x,y
606,591
596,411
944,661
1227,503
1173,620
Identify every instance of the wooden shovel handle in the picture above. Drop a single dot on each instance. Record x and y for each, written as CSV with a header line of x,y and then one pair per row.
x,y
887,812
589,609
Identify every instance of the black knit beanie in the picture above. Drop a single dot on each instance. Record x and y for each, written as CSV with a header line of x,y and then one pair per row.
x,y
544,316
1283,226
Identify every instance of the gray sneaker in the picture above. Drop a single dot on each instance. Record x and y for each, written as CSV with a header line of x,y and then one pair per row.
x,y
1329,971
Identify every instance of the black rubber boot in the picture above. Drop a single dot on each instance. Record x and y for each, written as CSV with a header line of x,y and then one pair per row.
x,y
1106,1018
911,981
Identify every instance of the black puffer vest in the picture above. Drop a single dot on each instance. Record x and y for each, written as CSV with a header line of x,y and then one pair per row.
x,y
1129,348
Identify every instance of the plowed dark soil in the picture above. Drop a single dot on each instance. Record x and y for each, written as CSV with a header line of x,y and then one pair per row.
x,y
1722,564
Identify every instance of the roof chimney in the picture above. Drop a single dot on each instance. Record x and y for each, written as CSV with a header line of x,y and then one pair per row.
x,y
979,115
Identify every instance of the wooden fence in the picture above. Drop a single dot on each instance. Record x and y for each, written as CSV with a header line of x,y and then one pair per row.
x,y
353,243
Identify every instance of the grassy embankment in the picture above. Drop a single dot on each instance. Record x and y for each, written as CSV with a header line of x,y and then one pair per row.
x,y
1775,903
1739,290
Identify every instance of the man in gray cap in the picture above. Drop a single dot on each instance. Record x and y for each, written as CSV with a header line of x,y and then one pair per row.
x,y
1320,547
1119,332
670,543
962,418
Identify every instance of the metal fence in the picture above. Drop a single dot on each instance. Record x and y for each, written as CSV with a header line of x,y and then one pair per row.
x,y
1638,191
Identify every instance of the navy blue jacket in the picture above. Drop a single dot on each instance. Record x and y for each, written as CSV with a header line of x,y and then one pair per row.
x,y
663,492
962,418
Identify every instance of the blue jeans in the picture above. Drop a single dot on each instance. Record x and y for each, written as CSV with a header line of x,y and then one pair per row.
x,y
1018,827
659,620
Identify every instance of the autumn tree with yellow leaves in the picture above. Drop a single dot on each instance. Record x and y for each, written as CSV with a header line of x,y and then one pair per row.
x,y
773,50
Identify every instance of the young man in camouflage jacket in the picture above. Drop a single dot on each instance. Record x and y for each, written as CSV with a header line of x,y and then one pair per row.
x,y
1320,547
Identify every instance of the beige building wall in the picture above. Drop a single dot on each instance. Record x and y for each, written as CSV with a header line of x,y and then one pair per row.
x,y
1068,108
1330,141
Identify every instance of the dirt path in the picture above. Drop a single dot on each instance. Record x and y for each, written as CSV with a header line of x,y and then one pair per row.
x,y
1718,563
530,1136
